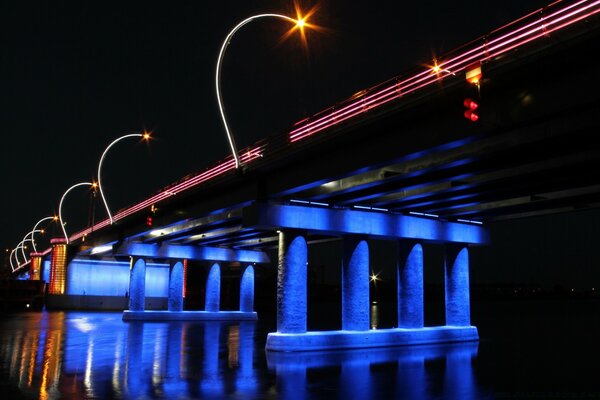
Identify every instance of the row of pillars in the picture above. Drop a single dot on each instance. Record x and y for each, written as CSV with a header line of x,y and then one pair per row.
x,y
292,276
137,286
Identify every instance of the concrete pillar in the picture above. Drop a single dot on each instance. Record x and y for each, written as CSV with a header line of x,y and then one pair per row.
x,y
355,284
247,289
458,309
291,283
35,268
410,284
175,301
213,289
58,266
137,284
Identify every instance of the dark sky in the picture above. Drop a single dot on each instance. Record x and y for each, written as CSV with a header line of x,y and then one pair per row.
x,y
76,75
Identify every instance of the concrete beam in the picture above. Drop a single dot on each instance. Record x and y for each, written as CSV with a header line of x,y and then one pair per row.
x,y
201,253
373,224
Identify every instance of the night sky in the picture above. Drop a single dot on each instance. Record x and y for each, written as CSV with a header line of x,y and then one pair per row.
x,y
76,75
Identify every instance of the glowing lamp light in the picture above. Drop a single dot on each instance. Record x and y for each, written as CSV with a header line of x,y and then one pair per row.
x,y
149,221
473,74
470,113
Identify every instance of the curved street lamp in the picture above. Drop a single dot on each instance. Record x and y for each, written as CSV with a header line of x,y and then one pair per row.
x,y
26,239
300,23
62,224
19,247
53,218
10,259
145,136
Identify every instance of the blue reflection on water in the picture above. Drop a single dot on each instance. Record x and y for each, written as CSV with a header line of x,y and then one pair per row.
x,y
97,355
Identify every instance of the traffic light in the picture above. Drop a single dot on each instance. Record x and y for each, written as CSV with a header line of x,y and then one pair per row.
x,y
148,221
470,113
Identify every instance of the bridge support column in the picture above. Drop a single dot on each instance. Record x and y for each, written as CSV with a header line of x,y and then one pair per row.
x,y
458,309
213,289
58,267
291,283
355,285
410,284
247,289
137,284
35,272
176,282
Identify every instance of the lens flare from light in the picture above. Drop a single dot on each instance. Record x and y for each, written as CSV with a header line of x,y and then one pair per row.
x,y
302,24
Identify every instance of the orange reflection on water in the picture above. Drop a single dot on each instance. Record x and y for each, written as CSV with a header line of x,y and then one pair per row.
x,y
233,346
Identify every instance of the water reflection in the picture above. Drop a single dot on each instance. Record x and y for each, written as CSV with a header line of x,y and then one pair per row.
x,y
96,355
411,371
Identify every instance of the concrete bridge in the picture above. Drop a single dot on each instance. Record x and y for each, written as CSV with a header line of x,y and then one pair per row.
x,y
396,162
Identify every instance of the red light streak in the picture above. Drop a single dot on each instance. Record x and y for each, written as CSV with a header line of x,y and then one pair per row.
x,y
509,41
247,156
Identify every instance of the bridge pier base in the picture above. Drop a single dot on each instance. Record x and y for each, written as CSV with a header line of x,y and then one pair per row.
x,y
291,335
175,301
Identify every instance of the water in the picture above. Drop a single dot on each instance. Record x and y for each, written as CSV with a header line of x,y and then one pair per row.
x,y
528,349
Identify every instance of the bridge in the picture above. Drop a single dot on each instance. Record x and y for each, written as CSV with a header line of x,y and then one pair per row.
x,y
396,162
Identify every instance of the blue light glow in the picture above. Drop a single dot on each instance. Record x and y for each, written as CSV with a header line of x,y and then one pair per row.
x,y
424,214
200,253
470,221
314,203
111,278
375,224
45,270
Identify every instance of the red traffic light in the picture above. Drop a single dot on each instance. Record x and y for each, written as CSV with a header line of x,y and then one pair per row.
x,y
148,221
470,113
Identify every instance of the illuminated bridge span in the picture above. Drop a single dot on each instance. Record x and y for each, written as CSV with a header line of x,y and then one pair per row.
x,y
398,162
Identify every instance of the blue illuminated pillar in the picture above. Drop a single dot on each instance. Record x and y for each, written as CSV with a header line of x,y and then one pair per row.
x,y
410,284
458,310
213,289
291,283
175,301
137,284
355,284
247,289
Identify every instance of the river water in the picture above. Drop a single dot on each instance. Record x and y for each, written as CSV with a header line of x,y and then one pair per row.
x,y
528,349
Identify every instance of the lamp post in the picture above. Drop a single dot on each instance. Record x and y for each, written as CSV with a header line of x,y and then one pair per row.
x,y
22,244
62,224
19,247
300,23
54,218
145,136
10,258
